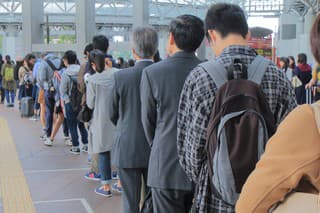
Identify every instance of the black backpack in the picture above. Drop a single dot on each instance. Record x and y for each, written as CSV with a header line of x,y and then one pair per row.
x,y
240,124
75,96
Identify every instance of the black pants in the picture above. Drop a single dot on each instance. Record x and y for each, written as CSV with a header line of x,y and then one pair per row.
x,y
171,201
131,184
2,93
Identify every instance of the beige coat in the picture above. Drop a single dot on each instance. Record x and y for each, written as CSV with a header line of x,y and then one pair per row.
x,y
292,155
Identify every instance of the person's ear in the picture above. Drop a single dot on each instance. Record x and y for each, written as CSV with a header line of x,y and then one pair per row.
x,y
212,36
171,39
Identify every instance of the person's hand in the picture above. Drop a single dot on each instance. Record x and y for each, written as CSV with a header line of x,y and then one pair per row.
x,y
308,86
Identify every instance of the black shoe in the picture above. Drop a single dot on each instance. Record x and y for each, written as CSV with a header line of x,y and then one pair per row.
x,y
75,150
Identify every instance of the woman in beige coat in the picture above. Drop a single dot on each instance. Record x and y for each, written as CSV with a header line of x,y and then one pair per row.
x,y
291,161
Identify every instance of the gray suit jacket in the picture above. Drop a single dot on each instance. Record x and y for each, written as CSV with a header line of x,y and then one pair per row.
x,y
161,85
131,149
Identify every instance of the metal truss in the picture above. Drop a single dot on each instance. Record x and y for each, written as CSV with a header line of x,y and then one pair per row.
x,y
120,12
302,7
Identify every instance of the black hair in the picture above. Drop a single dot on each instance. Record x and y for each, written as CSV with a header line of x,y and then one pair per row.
x,y
70,56
97,57
302,58
131,62
29,57
292,66
8,59
226,18
156,57
121,60
100,42
88,48
285,60
187,31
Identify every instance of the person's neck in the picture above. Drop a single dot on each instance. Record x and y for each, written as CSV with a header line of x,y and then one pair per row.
x,y
232,40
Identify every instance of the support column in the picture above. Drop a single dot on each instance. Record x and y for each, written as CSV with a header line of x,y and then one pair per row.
x,y
85,23
9,41
140,13
32,18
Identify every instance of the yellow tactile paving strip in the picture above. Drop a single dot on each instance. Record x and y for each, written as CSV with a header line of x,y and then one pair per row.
x,y
14,190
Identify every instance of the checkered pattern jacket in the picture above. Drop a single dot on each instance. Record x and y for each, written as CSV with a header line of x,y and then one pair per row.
x,y
196,103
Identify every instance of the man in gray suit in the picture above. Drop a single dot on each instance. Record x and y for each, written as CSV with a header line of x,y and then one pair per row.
x,y
161,85
131,150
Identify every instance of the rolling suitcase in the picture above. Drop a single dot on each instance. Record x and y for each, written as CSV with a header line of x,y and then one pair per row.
x,y
309,95
26,107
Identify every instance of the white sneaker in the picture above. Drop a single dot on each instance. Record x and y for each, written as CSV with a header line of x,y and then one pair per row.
x,y
48,142
68,141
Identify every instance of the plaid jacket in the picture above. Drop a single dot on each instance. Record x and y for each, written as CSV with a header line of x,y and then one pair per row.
x,y
196,102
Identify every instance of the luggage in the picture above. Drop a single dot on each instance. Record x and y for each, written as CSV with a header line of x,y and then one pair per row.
x,y
26,107
310,94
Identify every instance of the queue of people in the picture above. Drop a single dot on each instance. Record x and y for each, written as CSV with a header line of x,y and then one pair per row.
x,y
191,134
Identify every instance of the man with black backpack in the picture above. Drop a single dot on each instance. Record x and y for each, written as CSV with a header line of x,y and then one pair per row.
x,y
72,101
229,107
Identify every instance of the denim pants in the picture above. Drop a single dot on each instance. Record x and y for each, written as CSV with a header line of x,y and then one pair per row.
x,y
74,124
35,95
49,102
105,167
22,92
10,94
65,128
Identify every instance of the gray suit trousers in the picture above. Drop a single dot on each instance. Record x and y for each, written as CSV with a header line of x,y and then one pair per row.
x,y
171,201
131,184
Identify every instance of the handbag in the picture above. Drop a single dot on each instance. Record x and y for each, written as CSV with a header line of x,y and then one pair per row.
x,y
298,202
296,82
85,114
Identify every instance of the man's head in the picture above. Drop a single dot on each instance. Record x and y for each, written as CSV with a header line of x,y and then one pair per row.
x,y
100,42
69,57
144,42
226,25
186,33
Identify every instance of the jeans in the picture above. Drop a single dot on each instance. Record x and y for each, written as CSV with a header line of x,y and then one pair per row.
x,y
105,167
35,95
73,123
65,128
22,92
9,93
50,102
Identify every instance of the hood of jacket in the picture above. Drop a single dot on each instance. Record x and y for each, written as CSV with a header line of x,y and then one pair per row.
x,y
73,71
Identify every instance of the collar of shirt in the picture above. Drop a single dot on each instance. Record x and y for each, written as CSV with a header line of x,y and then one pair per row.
x,y
144,60
238,50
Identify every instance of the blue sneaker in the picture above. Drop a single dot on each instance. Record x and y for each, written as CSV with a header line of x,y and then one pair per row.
x,y
116,188
115,175
92,176
102,192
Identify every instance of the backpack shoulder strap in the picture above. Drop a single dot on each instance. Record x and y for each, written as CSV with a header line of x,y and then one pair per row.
x,y
51,65
257,69
217,71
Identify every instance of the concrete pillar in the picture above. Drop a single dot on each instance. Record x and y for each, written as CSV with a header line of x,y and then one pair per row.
x,y
300,27
85,23
163,40
9,41
140,13
32,18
